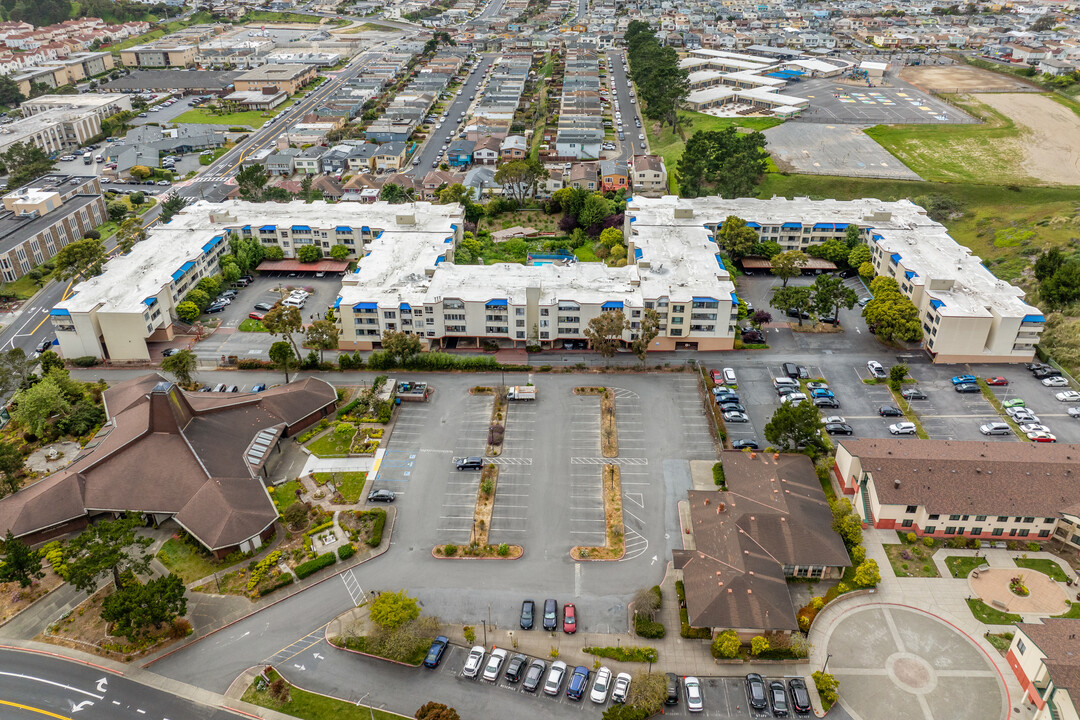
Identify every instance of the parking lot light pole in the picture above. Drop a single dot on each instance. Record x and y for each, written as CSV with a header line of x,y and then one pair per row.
x,y
485,632
826,663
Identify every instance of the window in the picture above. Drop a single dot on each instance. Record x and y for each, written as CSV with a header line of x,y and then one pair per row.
x,y
519,311
1012,533
980,518
1044,533
976,531
678,308
929,530
1049,521
907,523
1019,519
954,517
997,532
1020,647
1023,533
1029,520
1003,518
910,509
950,530
935,516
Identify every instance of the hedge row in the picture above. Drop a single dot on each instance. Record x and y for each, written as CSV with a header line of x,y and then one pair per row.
x,y
625,654
685,630
377,527
282,581
313,566
646,628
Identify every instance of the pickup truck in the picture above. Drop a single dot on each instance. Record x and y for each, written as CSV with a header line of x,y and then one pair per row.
x,y
521,392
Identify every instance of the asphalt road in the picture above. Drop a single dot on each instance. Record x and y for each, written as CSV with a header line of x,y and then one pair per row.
x,y
429,152
629,111
34,685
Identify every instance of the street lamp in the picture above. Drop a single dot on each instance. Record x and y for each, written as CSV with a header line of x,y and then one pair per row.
x,y
826,663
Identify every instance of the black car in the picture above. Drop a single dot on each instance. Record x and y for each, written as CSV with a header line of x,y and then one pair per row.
x,y
264,307
380,496
838,429
828,402
778,698
1032,367
534,675
46,344
753,337
470,463
1046,372
527,609
849,273
793,313
800,698
215,308
672,689
732,407
889,411
966,388
551,614
755,690
744,444
435,653
516,668
913,394
169,352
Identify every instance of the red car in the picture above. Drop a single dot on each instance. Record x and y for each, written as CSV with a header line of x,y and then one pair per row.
x,y
569,619
256,316
997,381
717,377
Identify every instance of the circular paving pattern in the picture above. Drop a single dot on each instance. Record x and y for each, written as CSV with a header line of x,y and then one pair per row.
x,y
1045,596
896,663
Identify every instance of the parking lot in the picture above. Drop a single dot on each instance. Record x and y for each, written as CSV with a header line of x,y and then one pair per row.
x,y
323,291
1039,398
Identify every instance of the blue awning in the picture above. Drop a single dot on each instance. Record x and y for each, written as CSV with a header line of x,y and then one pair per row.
x,y
792,226
213,244
706,299
749,224
183,269
823,226
496,302
637,253
404,306
895,257
268,228
910,274
337,303
453,226
150,301
734,299
448,240
343,228
629,200
301,228
612,305
936,304
633,219
877,237
841,226
720,261
380,234
1034,318
366,306
365,228
439,260
60,311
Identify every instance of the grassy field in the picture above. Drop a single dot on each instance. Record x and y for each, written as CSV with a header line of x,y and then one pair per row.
x,y
961,565
991,616
187,562
917,563
958,153
251,325
1046,567
349,484
265,16
1072,613
330,444
670,145
252,118
311,706
195,19
284,495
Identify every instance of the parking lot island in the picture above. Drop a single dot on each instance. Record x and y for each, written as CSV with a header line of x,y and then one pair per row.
x,y
615,546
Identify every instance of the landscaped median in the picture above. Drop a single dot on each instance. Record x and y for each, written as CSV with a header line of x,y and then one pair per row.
x,y
497,427
625,654
271,691
991,398
909,413
478,546
609,437
615,547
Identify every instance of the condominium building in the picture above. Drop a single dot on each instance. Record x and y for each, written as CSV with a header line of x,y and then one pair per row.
x,y
162,53
286,77
58,122
43,216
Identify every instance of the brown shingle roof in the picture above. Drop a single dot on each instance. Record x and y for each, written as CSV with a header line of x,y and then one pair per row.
x,y
973,477
1059,640
775,514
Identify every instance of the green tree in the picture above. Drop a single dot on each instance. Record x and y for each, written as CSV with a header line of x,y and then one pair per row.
x,y
322,335
339,252
285,321
9,92
211,285
795,298
25,162
136,199
1063,287
274,252
11,465
867,574
21,564
182,366
107,546
251,181
647,693
859,255
39,402
610,237
172,205
735,238
891,314
520,177
726,645
758,645
852,236
644,335
81,256
866,271
605,332
308,254
831,294
201,298
130,232
116,210
401,346
897,373
594,210
833,250
282,355
846,523
188,311
140,172
570,200
828,688
1048,263
789,264
15,368
391,610
795,426
393,193
136,607
728,161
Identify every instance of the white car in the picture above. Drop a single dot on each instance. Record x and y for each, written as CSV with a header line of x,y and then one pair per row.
x,y
473,662
876,369
1025,417
1013,412
1055,382
694,700
995,428
1074,411
494,664
834,419
1033,428
554,678
902,428
736,417
601,685
795,398
621,688
1068,396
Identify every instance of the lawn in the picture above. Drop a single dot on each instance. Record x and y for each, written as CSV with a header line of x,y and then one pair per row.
x,y
310,706
958,153
991,616
187,561
264,16
670,145
284,495
251,118
1046,567
1073,611
195,19
329,444
349,484
962,565
251,325
1000,641
916,563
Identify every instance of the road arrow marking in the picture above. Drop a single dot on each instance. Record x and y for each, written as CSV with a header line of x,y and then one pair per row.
x,y
82,706
299,667
317,656
102,684
654,559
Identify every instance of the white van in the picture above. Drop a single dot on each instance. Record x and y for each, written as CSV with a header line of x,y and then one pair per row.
x,y
729,378
294,302
780,382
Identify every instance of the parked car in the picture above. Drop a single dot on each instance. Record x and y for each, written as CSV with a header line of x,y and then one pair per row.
x,y
435,652
1074,412
1056,381
732,407
621,688
1015,402
169,352
821,393
902,428
995,428
516,668
534,675
527,609
256,316
966,388
381,496
579,680
1068,396
826,402
1047,372
800,697
889,411
815,385
1044,437
694,700
744,445
834,419
672,697
555,678
778,699
569,619
1033,427
473,662
793,398
601,685
736,417
755,690
216,308
494,664
470,463
551,614
876,369
729,378
716,376
838,429
265,307
996,381
913,394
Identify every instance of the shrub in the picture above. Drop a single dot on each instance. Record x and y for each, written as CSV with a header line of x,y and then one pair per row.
x,y
718,473
726,645
346,551
451,551
377,527
295,514
504,550
912,537
279,582
758,645
85,361
1034,547
858,554
928,542
179,628
624,654
646,628
311,567
470,633
827,687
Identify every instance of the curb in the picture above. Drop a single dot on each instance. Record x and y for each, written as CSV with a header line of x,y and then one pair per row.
x,y
35,602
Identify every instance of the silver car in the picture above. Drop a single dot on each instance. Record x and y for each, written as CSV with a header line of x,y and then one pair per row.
x,y
555,677
473,662
995,428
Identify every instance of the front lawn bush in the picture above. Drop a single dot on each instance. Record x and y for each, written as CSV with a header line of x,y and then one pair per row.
x,y
311,567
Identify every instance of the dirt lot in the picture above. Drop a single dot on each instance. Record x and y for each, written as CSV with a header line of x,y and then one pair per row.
x,y
1051,141
960,78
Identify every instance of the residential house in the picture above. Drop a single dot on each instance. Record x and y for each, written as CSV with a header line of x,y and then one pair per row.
x,y
513,147
1045,657
583,176
329,187
309,160
360,188
545,188
361,156
390,156
460,153
282,162
437,179
333,160
648,175
486,151
613,175
481,181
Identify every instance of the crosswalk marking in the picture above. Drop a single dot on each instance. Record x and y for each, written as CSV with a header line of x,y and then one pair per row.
x,y
608,461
